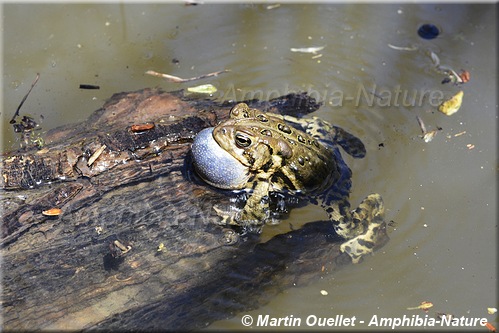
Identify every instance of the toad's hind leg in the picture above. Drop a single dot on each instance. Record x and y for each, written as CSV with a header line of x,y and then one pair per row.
x,y
360,227
330,135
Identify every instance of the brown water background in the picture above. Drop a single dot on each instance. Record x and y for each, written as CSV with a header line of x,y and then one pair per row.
x,y
441,196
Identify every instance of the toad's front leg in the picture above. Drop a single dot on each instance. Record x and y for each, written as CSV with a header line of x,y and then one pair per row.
x,y
255,212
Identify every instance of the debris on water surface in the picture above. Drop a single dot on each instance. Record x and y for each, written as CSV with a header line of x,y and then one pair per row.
x,y
464,75
491,311
313,49
490,327
427,135
403,48
203,89
454,77
13,120
434,58
428,31
451,76
273,6
425,306
441,315
452,105
193,2
27,125
421,124
324,292
52,212
177,79
89,86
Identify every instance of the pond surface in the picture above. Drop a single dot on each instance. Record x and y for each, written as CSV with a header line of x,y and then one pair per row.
x,y
374,75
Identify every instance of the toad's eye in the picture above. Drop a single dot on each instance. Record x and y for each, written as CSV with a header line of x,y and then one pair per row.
x,y
242,141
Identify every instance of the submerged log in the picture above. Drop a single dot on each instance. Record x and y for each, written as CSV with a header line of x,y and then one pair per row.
x,y
135,245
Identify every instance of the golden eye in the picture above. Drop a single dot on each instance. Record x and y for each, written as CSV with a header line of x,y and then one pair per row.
x,y
242,141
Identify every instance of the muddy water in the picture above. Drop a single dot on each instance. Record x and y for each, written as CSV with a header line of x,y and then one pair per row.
x,y
441,196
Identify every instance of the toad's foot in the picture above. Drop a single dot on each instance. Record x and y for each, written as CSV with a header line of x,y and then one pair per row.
x,y
368,218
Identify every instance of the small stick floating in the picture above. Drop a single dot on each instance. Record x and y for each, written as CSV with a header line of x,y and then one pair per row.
x,y
177,79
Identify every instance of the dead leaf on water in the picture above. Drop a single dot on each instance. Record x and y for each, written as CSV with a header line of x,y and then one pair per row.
x,y
203,89
452,105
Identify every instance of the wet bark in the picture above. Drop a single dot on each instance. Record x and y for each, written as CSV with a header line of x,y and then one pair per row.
x,y
135,245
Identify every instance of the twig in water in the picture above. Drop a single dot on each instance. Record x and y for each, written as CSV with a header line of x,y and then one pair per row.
x,y
13,120
177,79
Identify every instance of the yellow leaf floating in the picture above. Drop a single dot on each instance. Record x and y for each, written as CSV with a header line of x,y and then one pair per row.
x,y
203,89
452,105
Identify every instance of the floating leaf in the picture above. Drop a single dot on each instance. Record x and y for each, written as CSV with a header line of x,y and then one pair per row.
x,y
203,89
452,105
